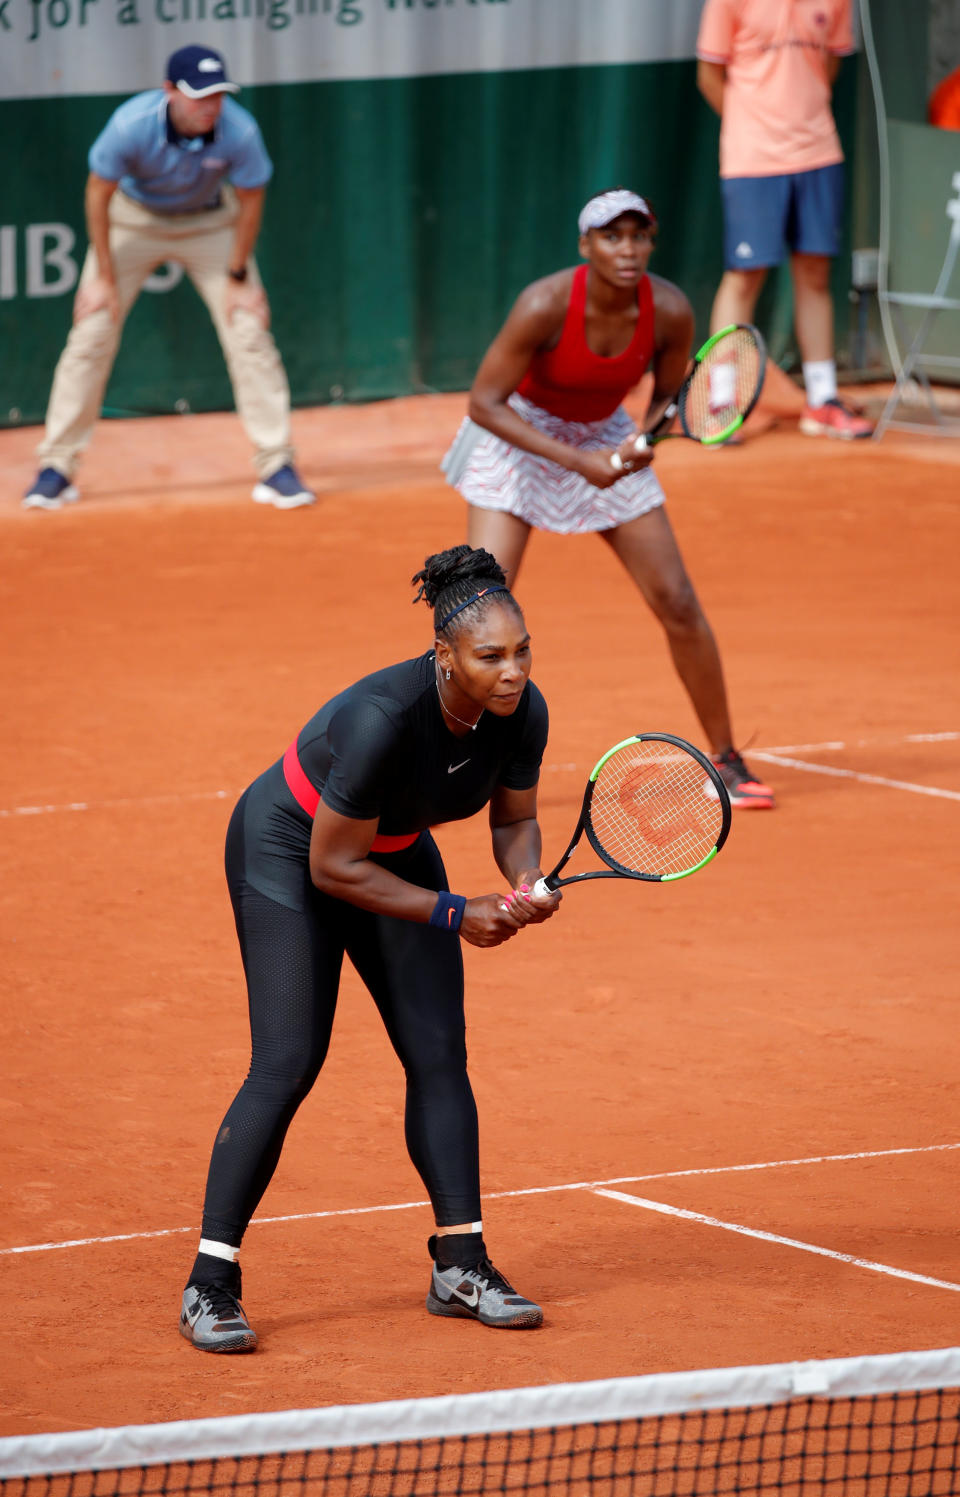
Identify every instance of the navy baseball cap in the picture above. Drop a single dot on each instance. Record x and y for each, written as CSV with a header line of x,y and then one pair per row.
x,y
198,72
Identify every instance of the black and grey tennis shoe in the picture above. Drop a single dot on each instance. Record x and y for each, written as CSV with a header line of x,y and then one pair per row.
x,y
480,1293
213,1319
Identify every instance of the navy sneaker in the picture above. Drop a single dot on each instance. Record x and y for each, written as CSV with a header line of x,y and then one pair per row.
x,y
284,489
479,1293
50,490
213,1319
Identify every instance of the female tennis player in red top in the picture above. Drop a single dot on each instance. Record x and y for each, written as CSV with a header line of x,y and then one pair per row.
x,y
545,420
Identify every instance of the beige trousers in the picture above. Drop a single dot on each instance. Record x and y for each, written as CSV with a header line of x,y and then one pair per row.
x,y
201,243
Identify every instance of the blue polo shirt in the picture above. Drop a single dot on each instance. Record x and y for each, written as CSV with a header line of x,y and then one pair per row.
x,y
179,175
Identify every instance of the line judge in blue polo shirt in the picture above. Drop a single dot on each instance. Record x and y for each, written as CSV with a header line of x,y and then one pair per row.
x,y
177,174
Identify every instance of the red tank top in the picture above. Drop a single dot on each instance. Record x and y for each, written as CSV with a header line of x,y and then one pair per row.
x,y
573,382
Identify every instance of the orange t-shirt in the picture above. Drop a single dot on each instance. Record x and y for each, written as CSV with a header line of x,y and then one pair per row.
x,y
776,103
944,107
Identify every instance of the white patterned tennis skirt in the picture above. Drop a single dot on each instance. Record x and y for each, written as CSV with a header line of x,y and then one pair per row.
x,y
492,474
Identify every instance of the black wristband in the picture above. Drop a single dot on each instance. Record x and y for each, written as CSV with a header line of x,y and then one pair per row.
x,y
237,275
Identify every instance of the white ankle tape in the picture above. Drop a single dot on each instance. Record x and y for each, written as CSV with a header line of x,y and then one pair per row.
x,y
219,1250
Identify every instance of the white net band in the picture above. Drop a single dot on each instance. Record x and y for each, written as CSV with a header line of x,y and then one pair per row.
x,y
564,1404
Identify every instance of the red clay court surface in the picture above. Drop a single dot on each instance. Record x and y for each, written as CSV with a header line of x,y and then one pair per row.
x,y
769,1047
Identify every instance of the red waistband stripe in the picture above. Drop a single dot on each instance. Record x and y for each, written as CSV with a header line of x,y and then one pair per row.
x,y
307,797
384,843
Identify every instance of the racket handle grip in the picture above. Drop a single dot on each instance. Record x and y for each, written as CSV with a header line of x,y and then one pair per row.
x,y
645,439
541,889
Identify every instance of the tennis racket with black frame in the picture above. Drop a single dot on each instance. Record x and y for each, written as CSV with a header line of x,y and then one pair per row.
x,y
655,809
718,394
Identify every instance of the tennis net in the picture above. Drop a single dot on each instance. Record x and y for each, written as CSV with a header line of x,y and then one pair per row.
x,y
860,1426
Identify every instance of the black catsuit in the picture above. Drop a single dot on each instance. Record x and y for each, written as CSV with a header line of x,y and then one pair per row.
x,y
379,749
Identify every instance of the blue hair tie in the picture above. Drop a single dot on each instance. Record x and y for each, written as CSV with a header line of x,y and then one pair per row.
x,y
498,587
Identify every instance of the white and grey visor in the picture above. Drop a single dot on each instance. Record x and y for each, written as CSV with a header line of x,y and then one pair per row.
x,y
608,206
212,88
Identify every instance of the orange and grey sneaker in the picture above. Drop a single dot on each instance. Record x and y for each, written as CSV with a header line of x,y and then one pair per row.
x,y
834,419
742,787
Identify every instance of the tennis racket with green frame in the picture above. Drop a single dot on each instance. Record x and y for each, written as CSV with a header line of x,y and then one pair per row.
x,y
719,392
655,809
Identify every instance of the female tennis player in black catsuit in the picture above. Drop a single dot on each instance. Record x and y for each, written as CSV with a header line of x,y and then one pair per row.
x,y
329,851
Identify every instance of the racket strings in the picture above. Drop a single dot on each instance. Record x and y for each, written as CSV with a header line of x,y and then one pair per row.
x,y
651,810
723,386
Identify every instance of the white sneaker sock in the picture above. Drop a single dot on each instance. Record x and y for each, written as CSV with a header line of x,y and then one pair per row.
x,y
219,1250
820,379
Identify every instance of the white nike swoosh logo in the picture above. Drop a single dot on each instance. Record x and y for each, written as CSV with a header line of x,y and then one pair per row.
x,y
452,768
470,1297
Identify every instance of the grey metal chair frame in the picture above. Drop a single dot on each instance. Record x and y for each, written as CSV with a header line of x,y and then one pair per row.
x,y
932,304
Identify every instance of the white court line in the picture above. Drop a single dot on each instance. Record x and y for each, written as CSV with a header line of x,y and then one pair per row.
x,y
126,801
496,1195
852,774
806,1247
840,743
770,756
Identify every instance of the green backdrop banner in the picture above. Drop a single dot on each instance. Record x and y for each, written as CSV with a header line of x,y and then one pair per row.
x,y
406,212
404,216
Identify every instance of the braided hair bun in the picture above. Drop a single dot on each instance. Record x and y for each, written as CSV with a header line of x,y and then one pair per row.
x,y
463,575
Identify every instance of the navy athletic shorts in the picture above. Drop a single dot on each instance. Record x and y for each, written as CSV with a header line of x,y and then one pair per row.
x,y
765,216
